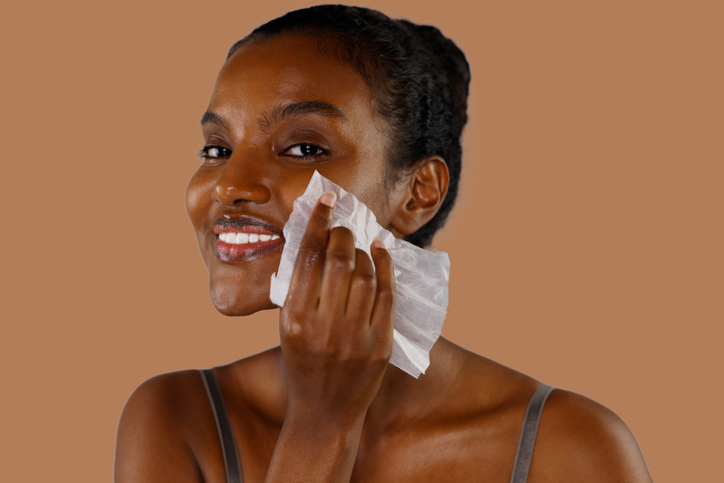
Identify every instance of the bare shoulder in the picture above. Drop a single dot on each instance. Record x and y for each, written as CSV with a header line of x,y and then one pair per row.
x,y
582,440
578,439
167,431
159,427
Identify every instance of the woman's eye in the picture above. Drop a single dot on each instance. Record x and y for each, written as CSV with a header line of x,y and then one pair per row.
x,y
214,152
304,150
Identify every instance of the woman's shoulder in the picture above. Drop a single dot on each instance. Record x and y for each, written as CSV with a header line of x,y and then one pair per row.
x,y
167,424
578,439
155,435
175,396
167,390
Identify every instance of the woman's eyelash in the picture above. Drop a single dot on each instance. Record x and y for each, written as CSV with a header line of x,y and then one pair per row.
x,y
214,152
304,151
299,150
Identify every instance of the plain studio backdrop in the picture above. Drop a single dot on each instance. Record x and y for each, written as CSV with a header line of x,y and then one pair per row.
x,y
586,247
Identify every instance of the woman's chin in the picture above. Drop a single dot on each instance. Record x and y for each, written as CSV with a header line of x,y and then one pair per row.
x,y
234,305
238,297
240,309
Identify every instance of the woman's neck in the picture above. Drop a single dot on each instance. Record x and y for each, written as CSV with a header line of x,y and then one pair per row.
x,y
400,399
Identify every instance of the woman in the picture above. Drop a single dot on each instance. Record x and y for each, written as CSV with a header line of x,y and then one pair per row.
x,y
378,107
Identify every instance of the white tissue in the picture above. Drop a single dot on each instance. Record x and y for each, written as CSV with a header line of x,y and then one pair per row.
x,y
421,276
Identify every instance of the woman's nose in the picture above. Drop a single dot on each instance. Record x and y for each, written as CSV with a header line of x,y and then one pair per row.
x,y
241,180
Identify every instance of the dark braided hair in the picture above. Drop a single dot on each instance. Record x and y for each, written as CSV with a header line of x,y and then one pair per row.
x,y
419,77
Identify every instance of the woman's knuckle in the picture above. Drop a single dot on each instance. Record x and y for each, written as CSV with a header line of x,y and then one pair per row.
x,y
293,324
386,296
383,349
365,281
310,252
386,354
379,358
340,261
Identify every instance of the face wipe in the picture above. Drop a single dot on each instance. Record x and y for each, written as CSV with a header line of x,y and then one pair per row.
x,y
421,276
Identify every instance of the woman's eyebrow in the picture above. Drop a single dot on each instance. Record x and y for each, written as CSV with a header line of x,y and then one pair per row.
x,y
286,111
282,113
210,117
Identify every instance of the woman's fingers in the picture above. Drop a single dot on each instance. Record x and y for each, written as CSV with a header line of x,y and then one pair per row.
x,y
336,325
304,285
337,288
339,267
383,312
362,289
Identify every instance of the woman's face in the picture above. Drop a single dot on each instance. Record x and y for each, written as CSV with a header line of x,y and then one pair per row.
x,y
279,111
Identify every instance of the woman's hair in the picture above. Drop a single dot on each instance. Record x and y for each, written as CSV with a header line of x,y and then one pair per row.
x,y
419,79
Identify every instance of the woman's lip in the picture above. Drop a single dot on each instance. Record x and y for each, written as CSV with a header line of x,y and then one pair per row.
x,y
227,252
245,224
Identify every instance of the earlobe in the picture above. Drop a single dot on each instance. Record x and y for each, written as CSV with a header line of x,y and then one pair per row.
x,y
425,191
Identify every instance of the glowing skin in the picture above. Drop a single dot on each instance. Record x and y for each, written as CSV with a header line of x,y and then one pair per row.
x,y
279,110
326,406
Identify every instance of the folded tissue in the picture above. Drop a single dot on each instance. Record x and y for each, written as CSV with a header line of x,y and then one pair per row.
x,y
421,276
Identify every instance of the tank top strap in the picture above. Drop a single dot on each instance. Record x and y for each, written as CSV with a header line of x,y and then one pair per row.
x,y
528,434
226,435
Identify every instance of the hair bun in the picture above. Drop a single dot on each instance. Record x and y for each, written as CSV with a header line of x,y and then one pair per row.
x,y
451,59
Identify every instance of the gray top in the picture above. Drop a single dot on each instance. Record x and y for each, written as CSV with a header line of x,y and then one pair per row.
x,y
226,435
231,453
528,434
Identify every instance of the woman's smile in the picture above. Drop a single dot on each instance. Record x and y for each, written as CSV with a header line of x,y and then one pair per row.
x,y
244,238
279,111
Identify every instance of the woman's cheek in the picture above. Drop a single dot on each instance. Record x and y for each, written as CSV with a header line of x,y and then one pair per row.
x,y
198,202
197,198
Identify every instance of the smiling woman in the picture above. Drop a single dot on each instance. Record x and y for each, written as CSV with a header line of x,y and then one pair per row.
x,y
280,110
378,107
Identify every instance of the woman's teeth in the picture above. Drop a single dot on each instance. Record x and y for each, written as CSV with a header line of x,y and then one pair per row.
x,y
240,238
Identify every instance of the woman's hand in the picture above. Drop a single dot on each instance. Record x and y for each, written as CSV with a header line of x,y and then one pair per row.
x,y
336,323
336,338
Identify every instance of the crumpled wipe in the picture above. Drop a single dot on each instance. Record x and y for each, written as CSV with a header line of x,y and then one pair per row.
x,y
421,275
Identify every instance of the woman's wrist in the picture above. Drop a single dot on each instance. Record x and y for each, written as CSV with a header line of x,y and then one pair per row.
x,y
312,447
321,422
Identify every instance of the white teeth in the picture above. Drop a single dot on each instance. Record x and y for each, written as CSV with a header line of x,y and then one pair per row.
x,y
242,238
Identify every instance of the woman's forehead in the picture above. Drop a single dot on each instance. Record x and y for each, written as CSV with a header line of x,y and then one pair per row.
x,y
289,69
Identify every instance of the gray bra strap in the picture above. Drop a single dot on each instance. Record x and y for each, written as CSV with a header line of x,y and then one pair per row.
x,y
228,444
528,434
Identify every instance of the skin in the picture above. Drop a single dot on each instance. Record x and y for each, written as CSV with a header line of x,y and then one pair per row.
x,y
326,405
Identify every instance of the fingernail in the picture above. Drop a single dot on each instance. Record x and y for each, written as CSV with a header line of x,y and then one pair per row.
x,y
328,198
377,243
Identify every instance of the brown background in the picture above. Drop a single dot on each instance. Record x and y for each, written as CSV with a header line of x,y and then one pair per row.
x,y
586,250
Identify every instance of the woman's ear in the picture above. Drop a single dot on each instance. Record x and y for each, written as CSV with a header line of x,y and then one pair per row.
x,y
422,195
